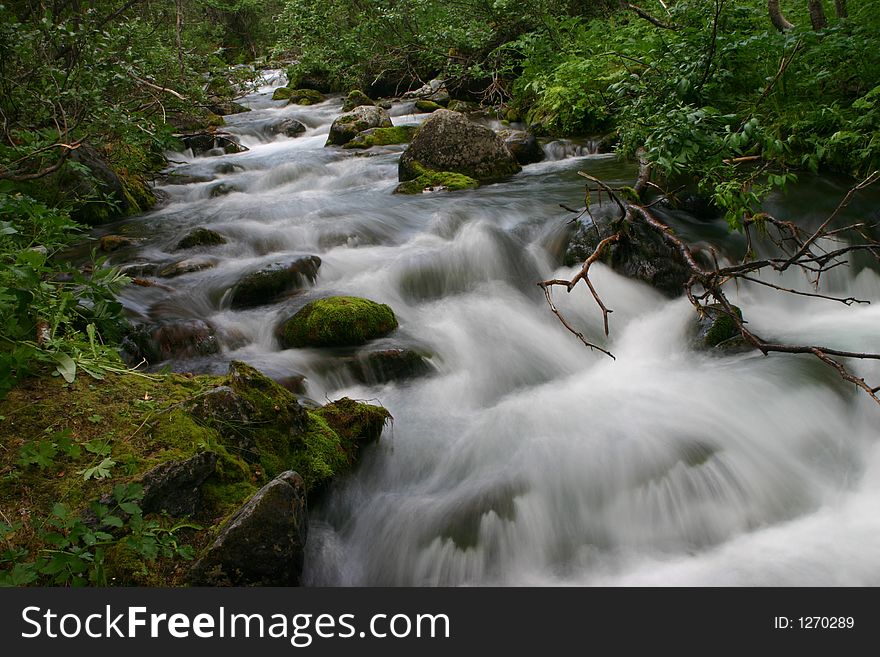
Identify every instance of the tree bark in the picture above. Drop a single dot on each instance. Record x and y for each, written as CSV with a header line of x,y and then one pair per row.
x,y
840,7
177,33
817,15
779,21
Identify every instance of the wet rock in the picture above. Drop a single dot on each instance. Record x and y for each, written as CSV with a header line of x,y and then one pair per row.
x,y
226,107
348,125
640,254
523,145
212,143
223,189
295,383
272,404
434,90
716,329
336,322
383,136
305,97
427,106
356,98
230,413
269,284
288,127
174,487
448,142
185,178
263,543
138,269
386,365
200,237
185,267
176,339
463,106
110,243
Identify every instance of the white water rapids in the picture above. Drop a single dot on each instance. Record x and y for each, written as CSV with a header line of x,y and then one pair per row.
x,y
525,458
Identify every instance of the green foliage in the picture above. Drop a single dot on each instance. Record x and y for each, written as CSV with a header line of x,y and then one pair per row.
x,y
75,552
54,316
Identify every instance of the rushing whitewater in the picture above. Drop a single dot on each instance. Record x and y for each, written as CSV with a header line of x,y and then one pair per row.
x,y
524,458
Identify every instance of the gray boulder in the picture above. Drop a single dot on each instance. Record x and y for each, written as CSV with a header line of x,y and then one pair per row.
x,y
174,487
263,543
447,141
348,125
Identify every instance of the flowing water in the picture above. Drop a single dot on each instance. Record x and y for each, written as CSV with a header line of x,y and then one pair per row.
x,y
523,458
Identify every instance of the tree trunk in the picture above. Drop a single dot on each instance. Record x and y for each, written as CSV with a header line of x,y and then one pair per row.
x,y
177,31
840,7
817,15
779,21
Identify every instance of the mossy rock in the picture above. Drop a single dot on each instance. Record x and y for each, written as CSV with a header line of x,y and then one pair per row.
x,y
269,284
282,93
356,98
428,106
305,97
716,329
200,237
110,243
383,136
429,180
338,322
348,125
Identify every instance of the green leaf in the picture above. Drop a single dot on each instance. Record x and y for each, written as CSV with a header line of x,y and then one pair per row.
x,y
66,367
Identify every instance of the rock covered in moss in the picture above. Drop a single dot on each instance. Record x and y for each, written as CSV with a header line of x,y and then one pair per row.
x,y
338,322
211,143
433,181
270,402
305,97
356,98
263,544
288,126
427,106
716,329
269,284
281,93
200,237
523,145
348,125
447,141
383,137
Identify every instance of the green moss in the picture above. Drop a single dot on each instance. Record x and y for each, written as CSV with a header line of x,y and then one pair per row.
x,y
356,98
138,195
428,179
427,106
305,97
281,93
353,420
722,326
201,237
338,321
383,136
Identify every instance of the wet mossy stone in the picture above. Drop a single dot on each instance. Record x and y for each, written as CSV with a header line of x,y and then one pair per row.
x,y
289,127
174,487
348,125
716,329
427,106
429,180
185,267
270,403
263,543
356,98
448,141
402,134
110,243
305,97
338,322
281,93
271,283
524,146
200,237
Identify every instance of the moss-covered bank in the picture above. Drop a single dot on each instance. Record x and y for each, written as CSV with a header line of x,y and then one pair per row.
x,y
53,433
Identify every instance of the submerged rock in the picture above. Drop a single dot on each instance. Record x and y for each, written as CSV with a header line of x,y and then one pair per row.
x,y
110,243
186,338
271,283
716,329
448,142
289,127
212,143
348,125
386,365
263,543
337,322
185,267
200,237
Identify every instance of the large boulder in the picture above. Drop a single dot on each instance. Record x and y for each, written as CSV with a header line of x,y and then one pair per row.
x,y
401,134
263,543
289,127
641,253
348,125
523,145
338,322
271,283
447,141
